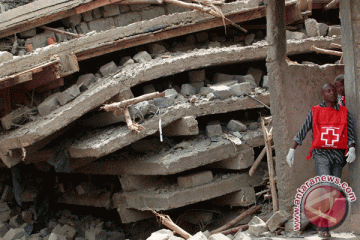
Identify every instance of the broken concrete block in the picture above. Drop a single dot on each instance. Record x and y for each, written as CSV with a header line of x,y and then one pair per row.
x,y
68,95
5,56
149,89
96,13
244,198
202,37
249,39
242,236
110,10
221,77
108,69
187,90
102,24
151,13
124,8
248,78
185,126
55,236
211,96
61,37
334,31
257,226
155,49
163,234
253,126
312,27
28,33
126,61
14,234
3,229
265,83
40,40
278,219
198,217
257,74
48,105
196,76
243,160
168,100
84,81
15,117
67,231
221,92
82,28
127,18
240,89
87,16
295,35
236,126
72,21
228,83
218,236
198,236
197,86
205,90
138,7
323,28
91,233
142,57
142,107
213,129
180,99
289,225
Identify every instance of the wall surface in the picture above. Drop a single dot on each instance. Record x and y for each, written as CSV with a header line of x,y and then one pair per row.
x,y
350,28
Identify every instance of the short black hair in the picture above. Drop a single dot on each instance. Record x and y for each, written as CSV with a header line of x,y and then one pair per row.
x,y
327,85
339,78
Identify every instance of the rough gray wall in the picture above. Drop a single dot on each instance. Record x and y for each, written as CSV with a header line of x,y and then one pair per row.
x,y
350,21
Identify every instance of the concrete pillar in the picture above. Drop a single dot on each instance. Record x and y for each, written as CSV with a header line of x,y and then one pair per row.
x,y
350,29
277,67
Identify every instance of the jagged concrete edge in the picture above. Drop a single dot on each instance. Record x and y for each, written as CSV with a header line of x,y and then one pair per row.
x,y
155,164
37,130
99,143
108,37
137,199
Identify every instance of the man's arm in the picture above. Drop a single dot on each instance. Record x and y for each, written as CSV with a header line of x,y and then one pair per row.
x,y
306,127
350,131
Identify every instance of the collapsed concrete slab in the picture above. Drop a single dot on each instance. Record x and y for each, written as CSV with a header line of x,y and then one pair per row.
x,y
171,197
135,74
200,151
99,143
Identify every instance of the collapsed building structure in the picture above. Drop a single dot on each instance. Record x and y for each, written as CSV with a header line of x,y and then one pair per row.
x,y
215,85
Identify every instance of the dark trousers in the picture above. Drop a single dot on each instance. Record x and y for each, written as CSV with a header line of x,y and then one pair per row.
x,y
324,167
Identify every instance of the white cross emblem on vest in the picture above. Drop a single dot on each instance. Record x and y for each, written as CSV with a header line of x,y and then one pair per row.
x,y
329,136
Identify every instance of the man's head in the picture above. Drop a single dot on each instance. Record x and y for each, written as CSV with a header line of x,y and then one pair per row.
x,y
328,92
339,84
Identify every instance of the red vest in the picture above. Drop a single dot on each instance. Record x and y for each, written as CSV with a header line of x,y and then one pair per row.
x,y
329,128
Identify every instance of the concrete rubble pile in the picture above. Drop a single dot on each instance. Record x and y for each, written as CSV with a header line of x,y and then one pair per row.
x,y
195,144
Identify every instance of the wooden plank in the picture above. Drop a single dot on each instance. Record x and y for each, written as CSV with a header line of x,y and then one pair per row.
x,y
26,75
51,85
40,79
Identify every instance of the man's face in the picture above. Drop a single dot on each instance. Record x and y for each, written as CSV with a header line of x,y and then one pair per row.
x,y
340,87
329,93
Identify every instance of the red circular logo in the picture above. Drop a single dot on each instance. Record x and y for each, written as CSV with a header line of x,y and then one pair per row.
x,y
325,206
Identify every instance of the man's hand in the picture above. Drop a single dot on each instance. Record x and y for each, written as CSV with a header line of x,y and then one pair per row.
x,y
290,157
350,155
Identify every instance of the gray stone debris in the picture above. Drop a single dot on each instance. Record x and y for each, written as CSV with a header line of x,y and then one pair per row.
x,y
218,236
84,81
323,28
265,83
204,90
221,92
187,90
14,234
87,16
197,86
240,89
48,105
334,31
248,78
312,27
142,57
257,226
149,89
5,56
257,74
101,24
198,236
211,96
108,69
72,21
168,100
68,95
295,35
126,61
156,48
110,10
28,33
277,219
213,129
236,126
151,13
96,13
195,179
82,28
127,18
142,107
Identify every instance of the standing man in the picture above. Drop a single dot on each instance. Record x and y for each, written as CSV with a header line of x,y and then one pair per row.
x,y
333,133
339,84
